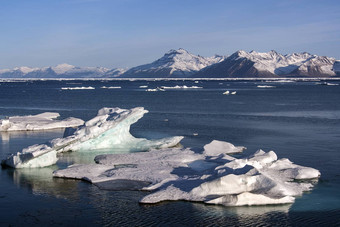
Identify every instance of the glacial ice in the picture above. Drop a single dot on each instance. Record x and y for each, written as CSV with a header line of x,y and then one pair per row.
x,y
43,121
108,130
211,176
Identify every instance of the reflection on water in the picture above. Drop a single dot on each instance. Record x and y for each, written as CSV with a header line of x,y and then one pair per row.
x,y
40,182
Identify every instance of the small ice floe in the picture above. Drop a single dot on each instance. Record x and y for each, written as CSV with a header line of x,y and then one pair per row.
x,y
265,86
77,88
181,87
43,121
155,89
196,82
112,87
229,93
143,86
195,134
108,130
211,176
328,84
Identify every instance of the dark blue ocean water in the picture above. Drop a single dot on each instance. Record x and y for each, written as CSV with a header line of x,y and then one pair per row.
x,y
299,121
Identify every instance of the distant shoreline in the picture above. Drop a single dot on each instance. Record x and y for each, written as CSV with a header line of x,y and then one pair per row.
x,y
174,79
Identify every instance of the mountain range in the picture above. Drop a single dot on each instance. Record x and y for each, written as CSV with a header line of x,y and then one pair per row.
x,y
182,64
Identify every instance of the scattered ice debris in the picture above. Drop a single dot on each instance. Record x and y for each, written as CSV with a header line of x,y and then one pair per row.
x,y
181,87
265,86
108,130
211,176
77,88
112,87
43,121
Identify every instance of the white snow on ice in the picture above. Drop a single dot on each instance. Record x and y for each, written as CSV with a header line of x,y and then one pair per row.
x,y
43,121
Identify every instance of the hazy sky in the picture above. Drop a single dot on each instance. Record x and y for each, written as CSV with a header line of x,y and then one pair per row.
x,y
125,33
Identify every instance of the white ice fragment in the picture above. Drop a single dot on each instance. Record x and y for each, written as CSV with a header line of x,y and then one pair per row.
x,y
181,87
216,148
43,121
265,86
78,88
111,87
226,92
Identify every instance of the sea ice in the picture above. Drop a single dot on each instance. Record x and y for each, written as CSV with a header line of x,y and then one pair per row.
x,y
111,87
181,87
211,176
43,121
108,130
265,86
78,88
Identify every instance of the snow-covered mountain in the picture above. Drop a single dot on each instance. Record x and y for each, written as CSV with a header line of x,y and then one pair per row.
x,y
181,63
60,71
272,64
175,63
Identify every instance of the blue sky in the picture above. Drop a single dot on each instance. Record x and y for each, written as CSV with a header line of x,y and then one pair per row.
x,y
125,33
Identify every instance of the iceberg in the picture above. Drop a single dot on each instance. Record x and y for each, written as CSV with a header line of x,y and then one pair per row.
x,y
43,121
212,176
110,129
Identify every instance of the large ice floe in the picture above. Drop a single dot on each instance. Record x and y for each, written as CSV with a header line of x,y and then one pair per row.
x,y
108,130
43,121
212,176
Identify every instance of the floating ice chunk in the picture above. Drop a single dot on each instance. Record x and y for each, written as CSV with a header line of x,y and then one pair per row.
x,y
181,174
233,93
43,121
216,148
108,130
226,92
77,88
155,89
265,86
181,87
111,87
143,86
